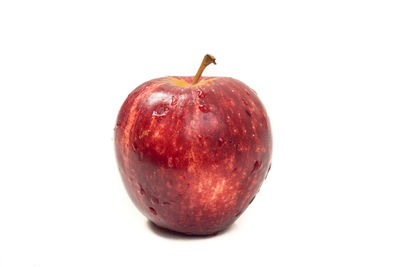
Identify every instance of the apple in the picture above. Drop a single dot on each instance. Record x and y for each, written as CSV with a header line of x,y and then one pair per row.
x,y
193,151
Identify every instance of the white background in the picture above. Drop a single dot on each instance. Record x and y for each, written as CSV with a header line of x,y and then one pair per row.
x,y
327,72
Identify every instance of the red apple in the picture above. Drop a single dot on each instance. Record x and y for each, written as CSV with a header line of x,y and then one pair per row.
x,y
193,152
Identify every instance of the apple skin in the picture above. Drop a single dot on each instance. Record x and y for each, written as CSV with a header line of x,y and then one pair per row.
x,y
193,157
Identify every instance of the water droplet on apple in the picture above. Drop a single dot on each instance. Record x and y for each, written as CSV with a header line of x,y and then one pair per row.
x,y
204,108
239,147
200,93
154,200
248,112
161,111
141,191
237,214
256,166
169,184
132,147
221,141
153,211
252,200
174,101
244,102
170,162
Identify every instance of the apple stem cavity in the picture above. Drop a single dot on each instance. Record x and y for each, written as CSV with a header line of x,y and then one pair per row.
x,y
207,60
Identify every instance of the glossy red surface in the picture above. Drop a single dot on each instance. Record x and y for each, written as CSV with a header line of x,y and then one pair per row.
x,y
192,158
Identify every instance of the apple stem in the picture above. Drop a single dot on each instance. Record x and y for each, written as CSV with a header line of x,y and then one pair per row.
x,y
207,60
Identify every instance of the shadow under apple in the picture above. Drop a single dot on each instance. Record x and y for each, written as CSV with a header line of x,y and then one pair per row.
x,y
169,234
